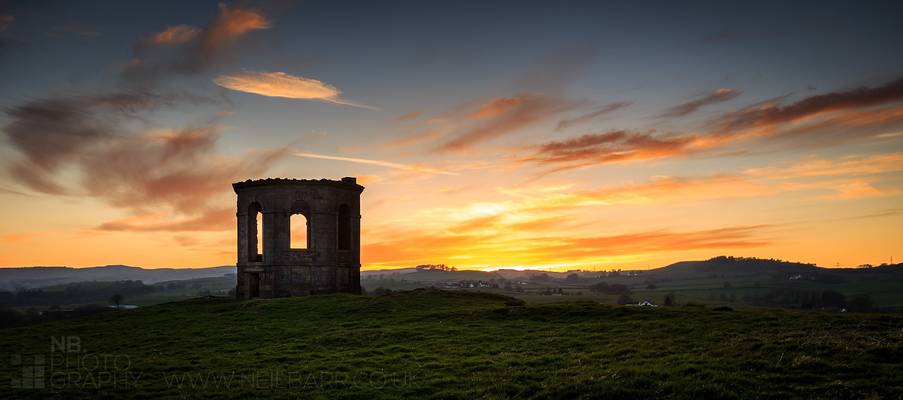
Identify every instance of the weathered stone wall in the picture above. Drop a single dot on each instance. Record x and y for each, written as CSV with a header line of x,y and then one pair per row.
x,y
323,267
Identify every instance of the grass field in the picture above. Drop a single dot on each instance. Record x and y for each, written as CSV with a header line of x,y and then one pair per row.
x,y
436,344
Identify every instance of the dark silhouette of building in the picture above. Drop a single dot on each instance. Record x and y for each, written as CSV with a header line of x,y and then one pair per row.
x,y
329,261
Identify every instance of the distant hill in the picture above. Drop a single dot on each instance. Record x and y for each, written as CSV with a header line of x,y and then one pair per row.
x,y
438,276
733,266
725,266
32,277
527,274
388,272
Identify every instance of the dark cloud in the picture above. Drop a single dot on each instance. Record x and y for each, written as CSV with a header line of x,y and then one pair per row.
x,y
770,114
605,109
55,130
689,107
845,127
184,49
844,116
85,145
612,146
108,146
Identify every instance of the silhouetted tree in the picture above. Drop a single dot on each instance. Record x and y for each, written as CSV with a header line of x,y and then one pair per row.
x,y
116,299
616,288
669,299
10,318
625,299
861,303
832,299
440,267
540,277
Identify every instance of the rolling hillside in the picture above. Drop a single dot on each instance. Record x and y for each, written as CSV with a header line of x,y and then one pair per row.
x,y
445,345
32,277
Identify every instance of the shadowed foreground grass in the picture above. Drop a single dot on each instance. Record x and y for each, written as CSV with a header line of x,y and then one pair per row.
x,y
434,344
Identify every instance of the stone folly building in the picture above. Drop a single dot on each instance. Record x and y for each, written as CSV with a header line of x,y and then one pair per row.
x,y
326,259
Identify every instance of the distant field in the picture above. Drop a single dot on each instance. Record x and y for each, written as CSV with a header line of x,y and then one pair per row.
x,y
720,281
437,344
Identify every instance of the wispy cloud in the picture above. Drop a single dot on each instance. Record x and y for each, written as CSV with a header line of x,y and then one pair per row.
x,y
598,112
13,191
771,114
816,121
858,189
535,98
524,226
208,220
408,116
386,164
174,35
848,165
689,107
505,115
609,147
280,84
415,137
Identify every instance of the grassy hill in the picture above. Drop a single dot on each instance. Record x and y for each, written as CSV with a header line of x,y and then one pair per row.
x,y
734,266
33,277
437,344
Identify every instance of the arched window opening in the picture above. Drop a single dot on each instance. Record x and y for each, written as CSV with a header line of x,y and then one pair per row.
x,y
258,221
255,229
298,230
344,227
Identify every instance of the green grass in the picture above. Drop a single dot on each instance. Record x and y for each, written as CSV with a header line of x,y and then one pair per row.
x,y
435,344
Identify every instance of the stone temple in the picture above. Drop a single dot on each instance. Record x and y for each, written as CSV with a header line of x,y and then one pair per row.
x,y
272,263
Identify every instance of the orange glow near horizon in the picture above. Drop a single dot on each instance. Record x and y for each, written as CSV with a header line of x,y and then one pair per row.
x,y
556,226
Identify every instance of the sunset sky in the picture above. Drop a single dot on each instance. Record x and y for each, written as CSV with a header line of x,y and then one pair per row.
x,y
487,134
